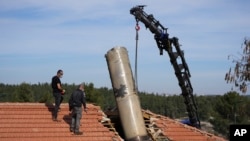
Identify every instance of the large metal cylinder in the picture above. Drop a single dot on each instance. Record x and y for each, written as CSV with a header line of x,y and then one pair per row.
x,y
126,96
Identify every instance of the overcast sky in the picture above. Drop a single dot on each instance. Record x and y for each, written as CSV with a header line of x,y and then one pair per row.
x,y
39,37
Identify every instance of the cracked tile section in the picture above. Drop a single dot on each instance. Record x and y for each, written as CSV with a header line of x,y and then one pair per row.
x,y
160,126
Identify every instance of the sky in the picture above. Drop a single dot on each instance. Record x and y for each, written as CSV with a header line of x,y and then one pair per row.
x,y
39,37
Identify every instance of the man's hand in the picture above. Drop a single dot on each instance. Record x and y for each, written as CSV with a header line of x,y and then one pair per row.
x,y
70,112
70,108
85,110
63,92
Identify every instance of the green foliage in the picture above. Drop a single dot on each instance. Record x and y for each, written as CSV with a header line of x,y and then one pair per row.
x,y
107,97
205,108
46,98
230,108
24,93
90,94
172,106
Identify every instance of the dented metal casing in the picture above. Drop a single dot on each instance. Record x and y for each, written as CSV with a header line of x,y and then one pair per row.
x,y
126,95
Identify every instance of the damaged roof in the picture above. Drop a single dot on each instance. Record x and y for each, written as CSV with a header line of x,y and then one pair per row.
x,y
160,126
33,122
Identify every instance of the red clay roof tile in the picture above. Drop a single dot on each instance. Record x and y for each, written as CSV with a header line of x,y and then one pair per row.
x,y
176,131
33,122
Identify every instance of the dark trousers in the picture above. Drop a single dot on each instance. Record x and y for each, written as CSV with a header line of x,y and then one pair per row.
x,y
58,100
76,117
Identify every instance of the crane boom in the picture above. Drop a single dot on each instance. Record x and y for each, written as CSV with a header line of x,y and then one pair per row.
x,y
172,46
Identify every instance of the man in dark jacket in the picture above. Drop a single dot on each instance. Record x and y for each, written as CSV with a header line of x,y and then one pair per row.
x,y
76,101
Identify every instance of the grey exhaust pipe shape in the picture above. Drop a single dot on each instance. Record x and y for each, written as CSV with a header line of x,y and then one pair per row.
x,y
126,96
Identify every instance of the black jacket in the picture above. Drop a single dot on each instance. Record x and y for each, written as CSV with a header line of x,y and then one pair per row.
x,y
77,99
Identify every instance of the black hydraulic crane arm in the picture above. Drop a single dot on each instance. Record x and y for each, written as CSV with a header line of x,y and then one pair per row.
x,y
172,46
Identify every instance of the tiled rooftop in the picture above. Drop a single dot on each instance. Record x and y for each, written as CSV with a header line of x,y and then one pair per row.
x,y
174,130
33,122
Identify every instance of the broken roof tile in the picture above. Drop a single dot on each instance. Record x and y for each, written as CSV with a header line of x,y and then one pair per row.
x,y
176,131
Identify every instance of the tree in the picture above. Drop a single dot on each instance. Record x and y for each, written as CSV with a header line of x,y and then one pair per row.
x,y
204,110
24,93
46,98
230,108
240,74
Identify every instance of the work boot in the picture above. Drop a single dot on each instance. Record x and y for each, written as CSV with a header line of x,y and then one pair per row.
x,y
78,133
55,119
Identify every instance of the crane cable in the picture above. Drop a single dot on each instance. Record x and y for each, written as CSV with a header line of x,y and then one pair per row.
x,y
137,28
